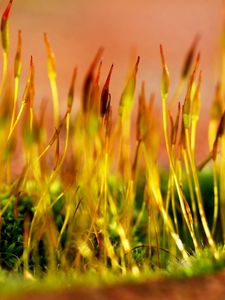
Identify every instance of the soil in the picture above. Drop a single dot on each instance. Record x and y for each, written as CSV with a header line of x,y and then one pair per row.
x,y
210,287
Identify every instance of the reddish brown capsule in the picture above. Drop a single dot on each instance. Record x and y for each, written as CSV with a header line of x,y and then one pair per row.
x,y
28,95
4,29
108,118
189,58
51,58
142,114
126,99
216,109
31,83
187,101
5,15
196,100
89,81
221,127
165,82
105,96
17,62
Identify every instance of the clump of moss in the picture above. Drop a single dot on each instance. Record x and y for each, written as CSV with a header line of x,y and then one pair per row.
x,y
86,199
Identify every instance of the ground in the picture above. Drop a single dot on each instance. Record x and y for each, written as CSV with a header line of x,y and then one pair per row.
x,y
210,287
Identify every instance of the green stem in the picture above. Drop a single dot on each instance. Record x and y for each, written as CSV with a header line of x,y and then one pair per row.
x,y
198,193
179,191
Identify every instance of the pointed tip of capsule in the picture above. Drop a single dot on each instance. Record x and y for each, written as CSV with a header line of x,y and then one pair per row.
x,y
31,68
19,39
138,61
196,41
89,80
190,56
105,95
17,61
197,60
192,76
196,65
5,16
194,45
98,72
96,59
48,46
199,81
109,76
46,40
143,89
162,55
135,70
7,11
71,91
136,66
74,74
163,60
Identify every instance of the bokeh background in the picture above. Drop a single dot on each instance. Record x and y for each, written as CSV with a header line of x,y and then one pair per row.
x,y
126,28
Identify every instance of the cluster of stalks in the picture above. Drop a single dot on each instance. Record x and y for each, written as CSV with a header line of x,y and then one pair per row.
x,y
84,181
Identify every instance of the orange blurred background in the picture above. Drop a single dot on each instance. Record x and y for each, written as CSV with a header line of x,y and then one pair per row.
x,y
125,28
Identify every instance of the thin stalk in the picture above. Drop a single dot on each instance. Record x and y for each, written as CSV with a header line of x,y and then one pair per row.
x,y
179,191
31,119
173,197
52,79
156,238
15,100
55,99
198,193
68,114
174,208
17,119
193,135
158,198
191,190
222,186
216,198
4,71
